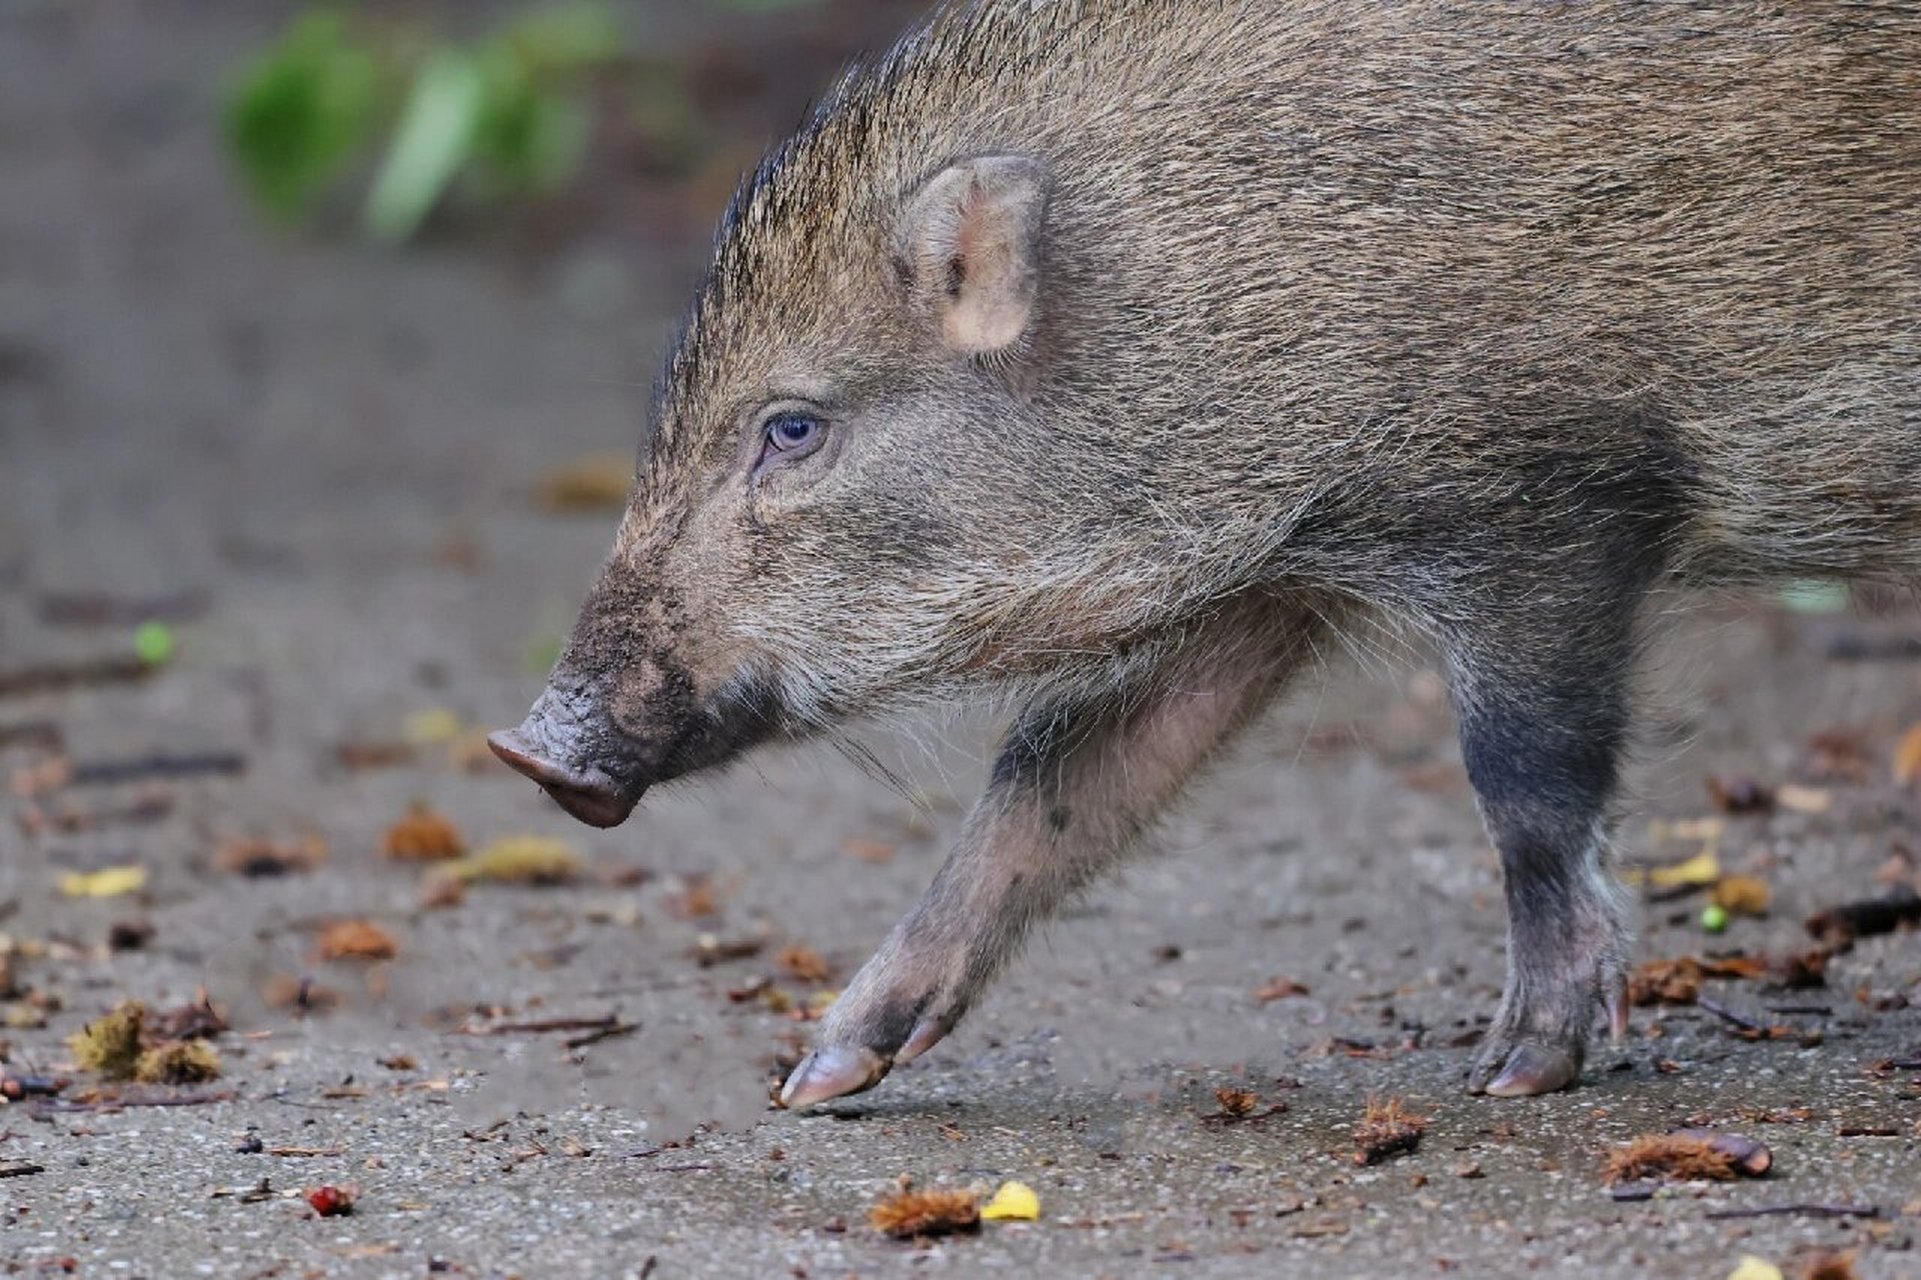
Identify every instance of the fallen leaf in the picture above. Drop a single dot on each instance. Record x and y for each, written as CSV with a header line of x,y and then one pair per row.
x,y
1838,755
597,481
804,964
423,836
698,901
1678,1157
1742,895
356,940
1826,1264
1238,1103
1387,1129
1803,799
432,727
1739,794
1012,1202
1280,989
110,1044
907,1214
111,882
1704,868
1907,757
874,851
1840,925
257,858
526,860
178,1062
302,995
332,1202
442,889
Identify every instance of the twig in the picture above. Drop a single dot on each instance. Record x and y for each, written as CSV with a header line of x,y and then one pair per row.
x,y
42,735
543,1025
101,772
54,676
1721,1011
21,1170
101,609
602,1033
1801,1209
63,1106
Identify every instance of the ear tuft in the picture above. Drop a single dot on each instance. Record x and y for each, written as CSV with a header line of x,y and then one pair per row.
x,y
971,241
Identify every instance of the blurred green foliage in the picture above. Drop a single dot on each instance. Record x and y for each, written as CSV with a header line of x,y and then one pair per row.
x,y
509,114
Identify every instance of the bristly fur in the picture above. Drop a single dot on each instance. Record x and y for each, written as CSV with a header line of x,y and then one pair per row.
x,y
1498,320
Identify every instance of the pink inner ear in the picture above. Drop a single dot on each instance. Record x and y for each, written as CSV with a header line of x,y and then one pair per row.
x,y
973,230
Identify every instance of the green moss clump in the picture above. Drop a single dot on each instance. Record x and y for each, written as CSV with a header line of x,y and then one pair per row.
x,y
111,1045
179,1062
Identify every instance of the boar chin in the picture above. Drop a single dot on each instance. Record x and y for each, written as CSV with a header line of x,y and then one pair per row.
x,y
585,792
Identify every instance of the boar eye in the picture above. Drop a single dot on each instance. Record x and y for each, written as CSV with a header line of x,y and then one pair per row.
x,y
791,435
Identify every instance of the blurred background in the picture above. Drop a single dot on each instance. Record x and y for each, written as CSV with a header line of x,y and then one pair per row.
x,y
326,332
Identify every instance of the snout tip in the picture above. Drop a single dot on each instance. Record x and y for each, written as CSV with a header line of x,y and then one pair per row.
x,y
589,795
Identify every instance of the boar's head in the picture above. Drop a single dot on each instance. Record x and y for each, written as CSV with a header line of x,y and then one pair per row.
x,y
847,503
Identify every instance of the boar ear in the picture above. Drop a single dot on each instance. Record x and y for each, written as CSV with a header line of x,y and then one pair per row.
x,y
971,244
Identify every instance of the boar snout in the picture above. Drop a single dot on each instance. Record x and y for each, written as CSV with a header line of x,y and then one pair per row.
x,y
558,747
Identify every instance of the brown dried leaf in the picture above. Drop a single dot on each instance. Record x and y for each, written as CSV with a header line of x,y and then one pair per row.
x,y
874,851
262,857
302,995
1279,989
1907,757
804,964
907,1214
698,901
1387,1129
1742,895
423,836
356,940
1672,1156
1838,754
1739,794
1826,1264
1238,1103
596,482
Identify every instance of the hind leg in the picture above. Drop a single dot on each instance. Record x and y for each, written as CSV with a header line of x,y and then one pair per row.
x,y
1543,714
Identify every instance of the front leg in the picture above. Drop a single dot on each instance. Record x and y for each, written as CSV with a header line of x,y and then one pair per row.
x,y
1076,782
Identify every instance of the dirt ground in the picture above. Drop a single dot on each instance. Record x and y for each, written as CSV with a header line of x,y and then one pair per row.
x,y
342,448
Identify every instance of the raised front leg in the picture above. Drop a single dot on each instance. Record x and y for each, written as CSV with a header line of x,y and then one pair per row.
x,y
1543,717
1075,784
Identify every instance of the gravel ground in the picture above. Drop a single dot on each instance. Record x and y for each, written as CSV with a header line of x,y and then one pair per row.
x,y
342,448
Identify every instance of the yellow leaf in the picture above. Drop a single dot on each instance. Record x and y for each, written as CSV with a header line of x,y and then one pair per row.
x,y
1742,895
1703,868
432,726
540,860
1907,757
1014,1202
108,883
1802,799
1753,1268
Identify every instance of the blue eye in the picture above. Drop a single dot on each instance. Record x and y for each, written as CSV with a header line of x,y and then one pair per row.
x,y
789,431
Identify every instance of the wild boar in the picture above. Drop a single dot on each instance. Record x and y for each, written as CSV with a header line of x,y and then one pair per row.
x,y
1119,357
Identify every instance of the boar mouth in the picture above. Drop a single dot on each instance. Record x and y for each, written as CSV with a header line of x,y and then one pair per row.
x,y
584,792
